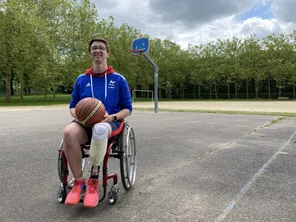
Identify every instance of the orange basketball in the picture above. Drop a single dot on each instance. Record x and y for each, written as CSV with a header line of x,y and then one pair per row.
x,y
90,111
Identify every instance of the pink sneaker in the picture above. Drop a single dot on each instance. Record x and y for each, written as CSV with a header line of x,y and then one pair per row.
x,y
91,198
74,196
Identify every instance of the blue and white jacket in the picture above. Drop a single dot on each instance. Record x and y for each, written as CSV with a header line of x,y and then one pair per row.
x,y
110,87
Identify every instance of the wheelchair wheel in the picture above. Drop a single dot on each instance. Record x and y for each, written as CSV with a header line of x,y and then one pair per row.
x,y
65,186
128,158
60,162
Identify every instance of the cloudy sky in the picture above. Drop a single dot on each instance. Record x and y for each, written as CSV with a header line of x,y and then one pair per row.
x,y
200,21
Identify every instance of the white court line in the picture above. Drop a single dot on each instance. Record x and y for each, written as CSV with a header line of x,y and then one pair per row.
x,y
250,183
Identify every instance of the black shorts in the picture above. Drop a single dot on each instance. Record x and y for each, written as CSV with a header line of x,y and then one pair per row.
x,y
115,125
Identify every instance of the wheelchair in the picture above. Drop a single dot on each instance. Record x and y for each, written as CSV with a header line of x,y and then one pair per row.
x,y
121,146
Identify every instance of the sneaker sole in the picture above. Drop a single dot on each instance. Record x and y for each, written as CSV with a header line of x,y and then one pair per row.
x,y
90,206
71,204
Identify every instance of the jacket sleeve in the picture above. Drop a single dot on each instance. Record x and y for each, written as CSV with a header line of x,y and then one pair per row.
x,y
75,95
125,101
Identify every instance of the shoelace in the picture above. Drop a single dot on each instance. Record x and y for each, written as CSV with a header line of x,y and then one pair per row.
x,y
76,187
92,188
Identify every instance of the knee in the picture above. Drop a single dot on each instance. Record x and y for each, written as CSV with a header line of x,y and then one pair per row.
x,y
101,131
70,132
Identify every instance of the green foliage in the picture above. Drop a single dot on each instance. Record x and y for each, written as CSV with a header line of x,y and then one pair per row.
x,y
44,47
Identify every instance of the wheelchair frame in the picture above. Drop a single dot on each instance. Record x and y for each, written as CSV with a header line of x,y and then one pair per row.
x,y
122,147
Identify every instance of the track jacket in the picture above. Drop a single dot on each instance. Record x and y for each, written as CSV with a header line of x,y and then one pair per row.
x,y
110,87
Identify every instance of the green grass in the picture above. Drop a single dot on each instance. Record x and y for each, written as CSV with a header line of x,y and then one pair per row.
x,y
37,100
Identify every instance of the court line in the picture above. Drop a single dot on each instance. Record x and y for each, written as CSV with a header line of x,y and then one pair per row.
x,y
251,182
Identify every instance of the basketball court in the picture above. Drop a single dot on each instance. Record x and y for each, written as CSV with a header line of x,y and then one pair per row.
x,y
191,167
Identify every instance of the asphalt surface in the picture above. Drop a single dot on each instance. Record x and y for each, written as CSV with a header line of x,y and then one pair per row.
x,y
191,167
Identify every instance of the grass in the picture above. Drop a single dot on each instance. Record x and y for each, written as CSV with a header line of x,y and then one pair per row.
x,y
269,124
37,100
277,120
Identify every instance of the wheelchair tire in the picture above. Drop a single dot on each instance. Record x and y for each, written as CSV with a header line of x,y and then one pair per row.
x,y
128,158
60,162
61,168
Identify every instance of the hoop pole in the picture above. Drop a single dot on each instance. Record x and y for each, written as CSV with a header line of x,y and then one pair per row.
x,y
155,67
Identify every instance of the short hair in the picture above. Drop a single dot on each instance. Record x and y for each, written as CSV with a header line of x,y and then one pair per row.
x,y
98,40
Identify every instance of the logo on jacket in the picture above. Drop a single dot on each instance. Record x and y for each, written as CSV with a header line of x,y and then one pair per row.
x,y
87,85
111,84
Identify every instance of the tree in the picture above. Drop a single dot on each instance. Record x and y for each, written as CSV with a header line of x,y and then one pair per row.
x,y
250,60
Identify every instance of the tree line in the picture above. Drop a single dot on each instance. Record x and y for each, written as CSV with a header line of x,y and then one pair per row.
x,y
44,47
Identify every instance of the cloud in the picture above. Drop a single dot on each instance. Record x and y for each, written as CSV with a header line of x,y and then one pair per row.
x,y
229,27
123,11
198,21
192,13
260,27
105,4
284,10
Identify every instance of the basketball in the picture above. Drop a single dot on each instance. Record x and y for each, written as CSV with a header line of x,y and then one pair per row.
x,y
90,111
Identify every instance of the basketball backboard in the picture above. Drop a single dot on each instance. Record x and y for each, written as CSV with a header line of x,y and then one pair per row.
x,y
140,44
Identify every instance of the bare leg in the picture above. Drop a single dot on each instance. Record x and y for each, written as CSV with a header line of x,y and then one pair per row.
x,y
74,136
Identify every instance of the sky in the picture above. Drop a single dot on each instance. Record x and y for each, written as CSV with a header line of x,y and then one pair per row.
x,y
199,21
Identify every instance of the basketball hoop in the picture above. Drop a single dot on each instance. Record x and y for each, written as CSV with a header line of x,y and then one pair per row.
x,y
136,52
140,46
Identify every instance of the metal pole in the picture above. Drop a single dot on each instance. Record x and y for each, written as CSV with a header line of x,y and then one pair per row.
x,y
155,67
